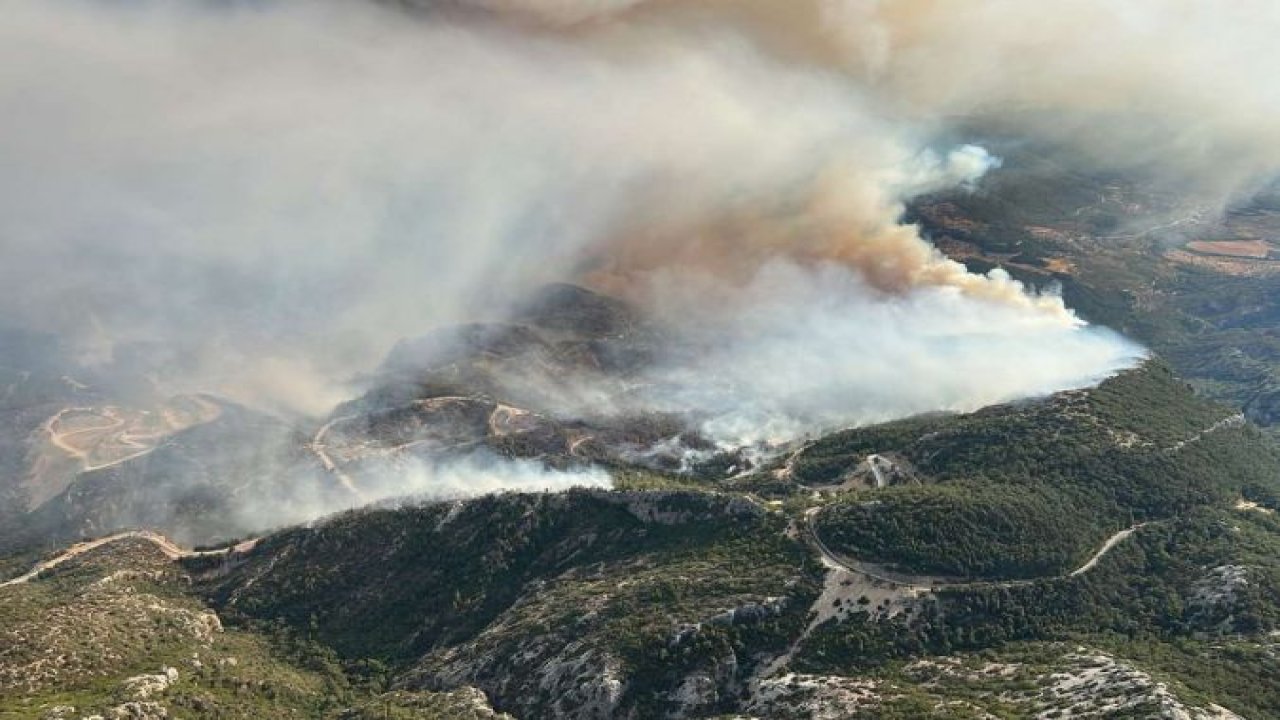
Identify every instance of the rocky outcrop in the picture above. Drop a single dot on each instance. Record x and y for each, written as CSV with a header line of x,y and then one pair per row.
x,y
679,507
143,687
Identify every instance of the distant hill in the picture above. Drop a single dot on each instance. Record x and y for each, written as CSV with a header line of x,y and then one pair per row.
x,y
1132,259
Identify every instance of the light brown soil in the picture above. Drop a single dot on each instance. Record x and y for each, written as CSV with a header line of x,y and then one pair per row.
x,y
1256,249
1242,267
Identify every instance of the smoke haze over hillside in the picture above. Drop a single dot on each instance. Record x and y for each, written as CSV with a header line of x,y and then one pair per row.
x,y
261,198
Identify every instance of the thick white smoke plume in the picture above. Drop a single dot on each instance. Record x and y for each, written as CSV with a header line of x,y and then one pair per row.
x,y
408,479
258,199
808,349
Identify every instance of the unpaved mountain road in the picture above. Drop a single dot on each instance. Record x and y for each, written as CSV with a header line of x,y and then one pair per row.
x,y
321,451
873,462
62,439
1106,548
1236,420
895,590
103,437
167,546
1195,217
930,582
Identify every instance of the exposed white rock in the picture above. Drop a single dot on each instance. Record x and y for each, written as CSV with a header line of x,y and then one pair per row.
x,y
697,690
142,687
589,684
120,575
814,696
1082,684
138,711
1098,685
650,507
1249,505
475,700
1220,586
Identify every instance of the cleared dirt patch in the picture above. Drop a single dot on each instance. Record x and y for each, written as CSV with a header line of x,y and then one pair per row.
x,y
1059,265
104,436
1256,249
1227,265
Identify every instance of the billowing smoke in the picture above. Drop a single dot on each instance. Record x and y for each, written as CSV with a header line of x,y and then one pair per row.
x,y
811,348
259,199
408,479
1179,88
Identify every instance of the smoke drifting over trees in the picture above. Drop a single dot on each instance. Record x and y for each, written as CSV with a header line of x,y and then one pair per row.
x,y
261,198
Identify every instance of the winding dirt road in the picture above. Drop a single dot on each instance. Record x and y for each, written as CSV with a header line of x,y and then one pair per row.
x,y
929,582
167,546
873,462
120,434
1195,218
1106,548
1236,420
321,451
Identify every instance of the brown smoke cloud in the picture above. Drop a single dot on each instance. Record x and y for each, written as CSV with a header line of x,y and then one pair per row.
x,y
1181,88
841,217
274,188
846,205
1177,90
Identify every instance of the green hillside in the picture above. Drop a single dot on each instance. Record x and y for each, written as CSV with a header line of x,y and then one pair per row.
x,y
1124,532
1030,489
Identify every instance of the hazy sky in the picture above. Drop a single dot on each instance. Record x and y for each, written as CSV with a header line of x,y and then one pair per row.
x,y
265,196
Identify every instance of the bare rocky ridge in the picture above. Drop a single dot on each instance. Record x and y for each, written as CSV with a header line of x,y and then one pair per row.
x,y
1079,684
